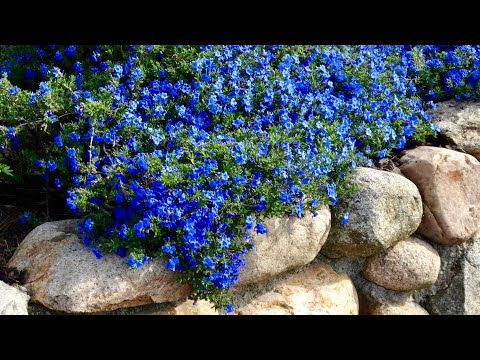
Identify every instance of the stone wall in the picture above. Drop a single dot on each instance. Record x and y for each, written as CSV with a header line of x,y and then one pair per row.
x,y
411,246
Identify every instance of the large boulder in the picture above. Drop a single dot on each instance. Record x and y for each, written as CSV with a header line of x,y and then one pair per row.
x,y
409,265
448,183
12,300
385,209
460,124
64,275
457,290
290,243
316,290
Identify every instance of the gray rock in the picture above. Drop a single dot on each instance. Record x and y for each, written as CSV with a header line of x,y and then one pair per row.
x,y
64,275
291,242
459,122
457,290
386,208
315,290
408,265
12,300
370,295
447,181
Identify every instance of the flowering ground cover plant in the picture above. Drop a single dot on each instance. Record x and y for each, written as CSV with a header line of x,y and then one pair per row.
x,y
178,153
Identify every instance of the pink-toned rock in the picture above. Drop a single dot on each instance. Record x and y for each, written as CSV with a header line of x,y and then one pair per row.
x,y
448,183
316,290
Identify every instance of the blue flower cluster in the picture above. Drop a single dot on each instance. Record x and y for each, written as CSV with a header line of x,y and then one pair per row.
x,y
181,152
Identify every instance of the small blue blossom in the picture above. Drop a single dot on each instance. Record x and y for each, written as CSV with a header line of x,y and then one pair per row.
x,y
209,263
344,218
97,253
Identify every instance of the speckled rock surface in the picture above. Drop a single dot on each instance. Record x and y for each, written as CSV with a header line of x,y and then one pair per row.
x,y
64,275
12,300
457,290
408,265
290,243
448,183
405,308
386,208
459,122
315,290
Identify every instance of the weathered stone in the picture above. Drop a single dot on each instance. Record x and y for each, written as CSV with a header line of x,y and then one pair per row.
x,y
410,264
460,124
12,300
385,209
186,308
457,290
370,295
316,290
64,275
405,308
447,181
291,242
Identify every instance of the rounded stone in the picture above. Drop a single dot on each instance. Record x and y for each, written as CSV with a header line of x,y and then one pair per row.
x,y
407,308
447,181
409,265
315,290
290,243
385,209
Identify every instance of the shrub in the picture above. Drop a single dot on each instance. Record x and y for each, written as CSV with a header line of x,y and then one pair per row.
x,y
180,152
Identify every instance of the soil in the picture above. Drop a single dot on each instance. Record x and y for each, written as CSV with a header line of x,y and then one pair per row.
x,y
14,200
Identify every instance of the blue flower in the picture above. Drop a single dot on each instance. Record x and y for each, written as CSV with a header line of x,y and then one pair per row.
x,y
117,71
137,74
51,165
58,140
169,249
22,219
88,224
285,197
261,229
120,251
70,50
77,66
58,56
56,71
237,122
29,74
97,253
229,308
344,218
171,263
10,132
249,222
142,164
44,89
209,262
13,90
87,241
